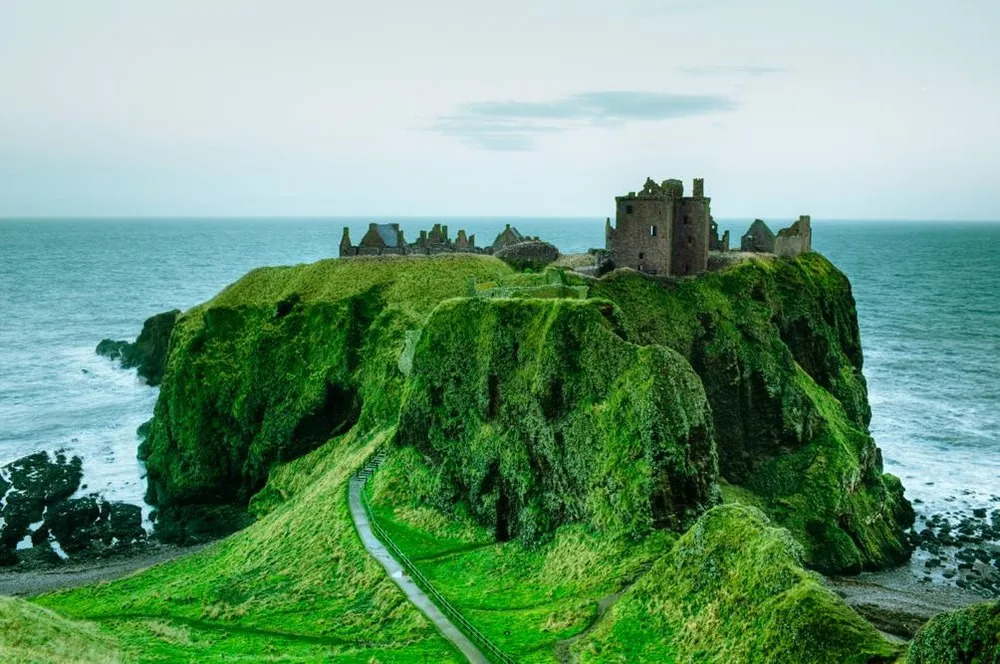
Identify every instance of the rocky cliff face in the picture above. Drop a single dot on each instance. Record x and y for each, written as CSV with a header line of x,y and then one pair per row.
x,y
536,413
539,412
148,354
777,348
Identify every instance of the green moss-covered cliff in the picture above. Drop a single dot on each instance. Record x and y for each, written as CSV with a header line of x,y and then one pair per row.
x,y
777,347
538,413
282,361
544,411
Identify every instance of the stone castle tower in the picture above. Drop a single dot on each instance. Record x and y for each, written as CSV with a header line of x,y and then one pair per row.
x,y
661,231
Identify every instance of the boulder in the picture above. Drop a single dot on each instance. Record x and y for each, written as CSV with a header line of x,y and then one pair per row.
x,y
91,526
532,255
31,485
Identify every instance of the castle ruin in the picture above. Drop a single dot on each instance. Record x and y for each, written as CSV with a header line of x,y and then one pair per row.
x,y
659,230
387,239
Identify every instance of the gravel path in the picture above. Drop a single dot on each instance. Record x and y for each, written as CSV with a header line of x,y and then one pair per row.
x,y
25,583
403,580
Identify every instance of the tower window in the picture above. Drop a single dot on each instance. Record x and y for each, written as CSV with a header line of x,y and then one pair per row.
x,y
652,231
690,240
628,209
641,255
687,219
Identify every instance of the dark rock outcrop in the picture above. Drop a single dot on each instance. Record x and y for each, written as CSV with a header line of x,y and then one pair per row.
x,y
37,504
148,355
532,255
91,526
29,487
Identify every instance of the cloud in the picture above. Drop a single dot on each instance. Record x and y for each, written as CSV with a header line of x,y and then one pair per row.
x,y
514,125
732,70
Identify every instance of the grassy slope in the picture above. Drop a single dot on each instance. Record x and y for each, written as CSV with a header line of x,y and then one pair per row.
x,y
731,589
295,586
527,599
30,633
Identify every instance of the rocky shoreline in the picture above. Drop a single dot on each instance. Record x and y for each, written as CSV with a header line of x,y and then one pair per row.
x,y
30,580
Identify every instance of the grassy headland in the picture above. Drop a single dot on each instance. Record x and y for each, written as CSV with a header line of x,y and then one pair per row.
x,y
548,455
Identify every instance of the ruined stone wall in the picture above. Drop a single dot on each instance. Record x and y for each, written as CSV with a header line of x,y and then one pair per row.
x,y
642,234
690,236
796,239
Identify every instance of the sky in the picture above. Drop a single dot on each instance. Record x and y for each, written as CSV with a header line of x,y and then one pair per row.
x,y
848,109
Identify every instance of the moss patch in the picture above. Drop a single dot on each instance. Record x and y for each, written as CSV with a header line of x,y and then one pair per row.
x,y
732,590
969,636
535,414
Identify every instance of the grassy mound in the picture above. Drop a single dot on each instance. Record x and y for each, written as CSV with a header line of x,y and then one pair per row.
x,y
536,414
30,633
969,636
282,361
732,590
776,345
295,586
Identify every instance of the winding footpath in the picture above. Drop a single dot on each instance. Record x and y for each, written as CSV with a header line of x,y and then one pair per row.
x,y
403,580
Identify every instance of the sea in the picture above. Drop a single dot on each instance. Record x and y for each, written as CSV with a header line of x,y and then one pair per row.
x,y
928,299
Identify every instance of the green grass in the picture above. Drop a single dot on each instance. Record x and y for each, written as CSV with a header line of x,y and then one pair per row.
x,y
732,590
295,586
526,599
30,633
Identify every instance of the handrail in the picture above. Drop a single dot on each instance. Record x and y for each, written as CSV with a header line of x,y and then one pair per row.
x,y
446,607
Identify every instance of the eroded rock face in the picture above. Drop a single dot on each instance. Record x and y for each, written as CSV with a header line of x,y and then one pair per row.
x,y
148,355
37,510
536,413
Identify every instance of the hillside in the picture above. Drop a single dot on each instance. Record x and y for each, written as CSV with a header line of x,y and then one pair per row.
x,y
558,457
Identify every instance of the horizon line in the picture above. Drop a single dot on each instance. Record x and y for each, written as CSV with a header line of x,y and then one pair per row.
x,y
390,217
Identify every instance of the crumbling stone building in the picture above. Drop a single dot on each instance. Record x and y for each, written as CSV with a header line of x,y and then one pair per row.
x,y
387,239
758,238
661,231
789,242
796,239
